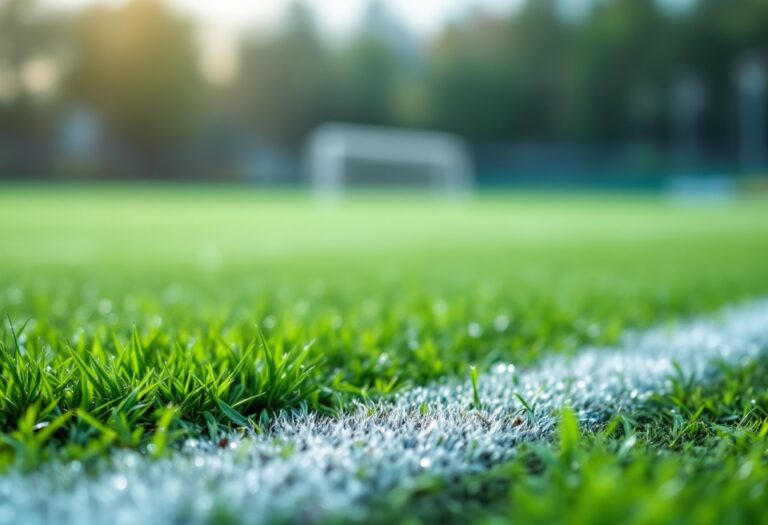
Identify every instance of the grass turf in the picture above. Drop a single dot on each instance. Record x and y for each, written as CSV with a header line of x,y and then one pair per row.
x,y
698,454
138,316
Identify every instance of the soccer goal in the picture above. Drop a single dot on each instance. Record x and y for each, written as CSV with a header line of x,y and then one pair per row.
x,y
340,156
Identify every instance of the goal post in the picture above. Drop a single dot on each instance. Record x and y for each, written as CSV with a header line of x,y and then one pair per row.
x,y
338,156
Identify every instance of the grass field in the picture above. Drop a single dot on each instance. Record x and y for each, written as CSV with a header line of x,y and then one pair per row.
x,y
143,318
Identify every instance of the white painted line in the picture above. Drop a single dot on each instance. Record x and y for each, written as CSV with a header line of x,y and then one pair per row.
x,y
309,467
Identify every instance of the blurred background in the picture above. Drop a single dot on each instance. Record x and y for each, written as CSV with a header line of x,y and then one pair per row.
x,y
641,95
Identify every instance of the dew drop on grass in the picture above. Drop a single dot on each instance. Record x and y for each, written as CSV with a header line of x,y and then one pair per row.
x,y
425,463
503,368
440,308
501,323
105,307
120,482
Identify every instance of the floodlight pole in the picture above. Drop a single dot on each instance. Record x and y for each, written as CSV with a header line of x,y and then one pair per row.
x,y
751,86
688,98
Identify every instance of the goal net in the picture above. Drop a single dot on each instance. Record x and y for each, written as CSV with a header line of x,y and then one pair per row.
x,y
341,156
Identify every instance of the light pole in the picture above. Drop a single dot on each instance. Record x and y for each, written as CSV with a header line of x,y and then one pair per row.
x,y
688,98
751,84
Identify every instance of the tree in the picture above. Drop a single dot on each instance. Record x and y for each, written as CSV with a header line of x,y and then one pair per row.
x,y
620,69
24,35
367,74
465,91
502,78
284,81
137,66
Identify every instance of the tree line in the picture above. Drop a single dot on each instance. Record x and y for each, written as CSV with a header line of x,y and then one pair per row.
x,y
618,71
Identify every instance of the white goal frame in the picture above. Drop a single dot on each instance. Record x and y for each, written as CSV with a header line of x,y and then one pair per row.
x,y
331,146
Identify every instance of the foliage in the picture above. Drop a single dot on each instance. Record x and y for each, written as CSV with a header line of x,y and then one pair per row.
x,y
138,67
607,73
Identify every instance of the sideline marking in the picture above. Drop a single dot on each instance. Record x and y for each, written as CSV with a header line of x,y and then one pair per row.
x,y
311,467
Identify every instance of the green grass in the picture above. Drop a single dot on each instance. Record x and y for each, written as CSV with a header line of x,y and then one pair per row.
x,y
697,455
139,316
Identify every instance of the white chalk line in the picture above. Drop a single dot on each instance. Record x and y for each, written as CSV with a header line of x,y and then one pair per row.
x,y
308,468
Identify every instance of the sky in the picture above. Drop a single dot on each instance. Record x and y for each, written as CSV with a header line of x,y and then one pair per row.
x,y
337,17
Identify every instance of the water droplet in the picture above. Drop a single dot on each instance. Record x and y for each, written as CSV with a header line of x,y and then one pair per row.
x,y
501,323
120,482
105,307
